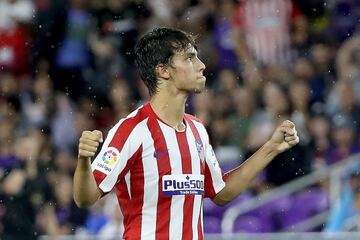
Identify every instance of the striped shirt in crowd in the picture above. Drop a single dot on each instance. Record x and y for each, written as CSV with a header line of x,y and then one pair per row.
x,y
266,26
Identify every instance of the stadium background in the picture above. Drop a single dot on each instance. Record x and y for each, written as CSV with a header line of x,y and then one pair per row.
x,y
67,66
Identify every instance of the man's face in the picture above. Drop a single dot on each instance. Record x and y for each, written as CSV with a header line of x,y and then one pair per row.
x,y
186,71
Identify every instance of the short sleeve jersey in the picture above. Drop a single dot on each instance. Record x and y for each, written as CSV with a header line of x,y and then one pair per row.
x,y
160,175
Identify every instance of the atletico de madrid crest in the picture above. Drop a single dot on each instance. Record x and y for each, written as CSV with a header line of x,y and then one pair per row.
x,y
200,149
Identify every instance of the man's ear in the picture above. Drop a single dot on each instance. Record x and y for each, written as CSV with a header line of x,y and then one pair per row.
x,y
162,71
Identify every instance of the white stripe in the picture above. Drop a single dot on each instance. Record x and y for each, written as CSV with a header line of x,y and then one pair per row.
x,y
177,201
196,212
195,164
151,179
202,218
130,146
127,182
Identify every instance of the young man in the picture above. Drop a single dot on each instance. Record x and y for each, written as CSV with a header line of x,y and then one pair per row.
x,y
159,159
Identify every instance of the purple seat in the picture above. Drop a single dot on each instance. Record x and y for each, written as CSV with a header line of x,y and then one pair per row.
x,y
271,212
304,205
243,197
212,224
252,224
211,209
315,200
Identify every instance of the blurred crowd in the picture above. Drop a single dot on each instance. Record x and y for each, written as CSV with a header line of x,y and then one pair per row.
x,y
68,66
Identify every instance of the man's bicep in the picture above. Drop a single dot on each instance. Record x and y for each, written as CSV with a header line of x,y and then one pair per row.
x,y
214,176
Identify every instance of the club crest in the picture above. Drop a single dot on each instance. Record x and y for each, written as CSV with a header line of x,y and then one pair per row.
x,y
200,149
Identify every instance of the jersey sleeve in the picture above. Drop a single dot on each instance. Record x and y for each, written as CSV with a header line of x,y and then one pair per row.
x,y
121,148
214,176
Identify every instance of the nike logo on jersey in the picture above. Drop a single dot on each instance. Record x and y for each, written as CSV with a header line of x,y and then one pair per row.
x,y
160,154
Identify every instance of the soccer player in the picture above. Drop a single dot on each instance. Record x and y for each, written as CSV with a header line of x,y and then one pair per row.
x,y
159,159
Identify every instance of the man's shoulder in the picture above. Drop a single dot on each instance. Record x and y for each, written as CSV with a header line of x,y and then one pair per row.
x,y
132,120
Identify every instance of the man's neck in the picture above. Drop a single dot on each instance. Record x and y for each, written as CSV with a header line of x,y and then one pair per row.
x,y
170,108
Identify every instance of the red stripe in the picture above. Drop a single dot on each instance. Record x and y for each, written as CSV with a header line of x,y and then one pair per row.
x,y
189,199
132,207
124,202
209,188
99,176
164,168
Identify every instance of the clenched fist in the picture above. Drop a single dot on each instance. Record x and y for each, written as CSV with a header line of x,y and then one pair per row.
x,y
285,136
89,143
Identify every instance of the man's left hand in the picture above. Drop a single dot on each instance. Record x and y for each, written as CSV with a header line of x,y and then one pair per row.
x,y
285,136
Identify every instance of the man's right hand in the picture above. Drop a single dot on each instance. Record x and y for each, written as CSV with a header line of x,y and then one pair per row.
x,y
89,143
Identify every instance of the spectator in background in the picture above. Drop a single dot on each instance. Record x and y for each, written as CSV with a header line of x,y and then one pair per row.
x,y
304,70
275,108
121,98
104,219
62,124
346,206
71,32
300,96
353,224
319,128
61,217
348,105
18,214
347,63
15,16
344,19
38,103
223,35
117,27
265,27
300,37
24,189
245,106
343,140
324,74
286,166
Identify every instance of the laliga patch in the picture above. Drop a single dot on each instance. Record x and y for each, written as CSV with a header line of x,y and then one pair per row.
x,y
183,184
107,160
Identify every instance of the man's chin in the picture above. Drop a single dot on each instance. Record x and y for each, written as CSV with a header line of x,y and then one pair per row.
x,y
200,89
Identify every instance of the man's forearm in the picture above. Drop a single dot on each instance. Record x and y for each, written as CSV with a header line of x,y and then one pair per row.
x,y
239,178
86,191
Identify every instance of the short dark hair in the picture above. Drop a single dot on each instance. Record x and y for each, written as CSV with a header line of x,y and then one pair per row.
x,y
157,47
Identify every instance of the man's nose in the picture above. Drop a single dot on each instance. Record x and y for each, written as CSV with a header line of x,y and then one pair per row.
x,y
201,65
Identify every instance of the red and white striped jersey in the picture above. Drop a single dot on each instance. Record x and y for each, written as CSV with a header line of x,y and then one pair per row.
x,y
266,24
160,175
